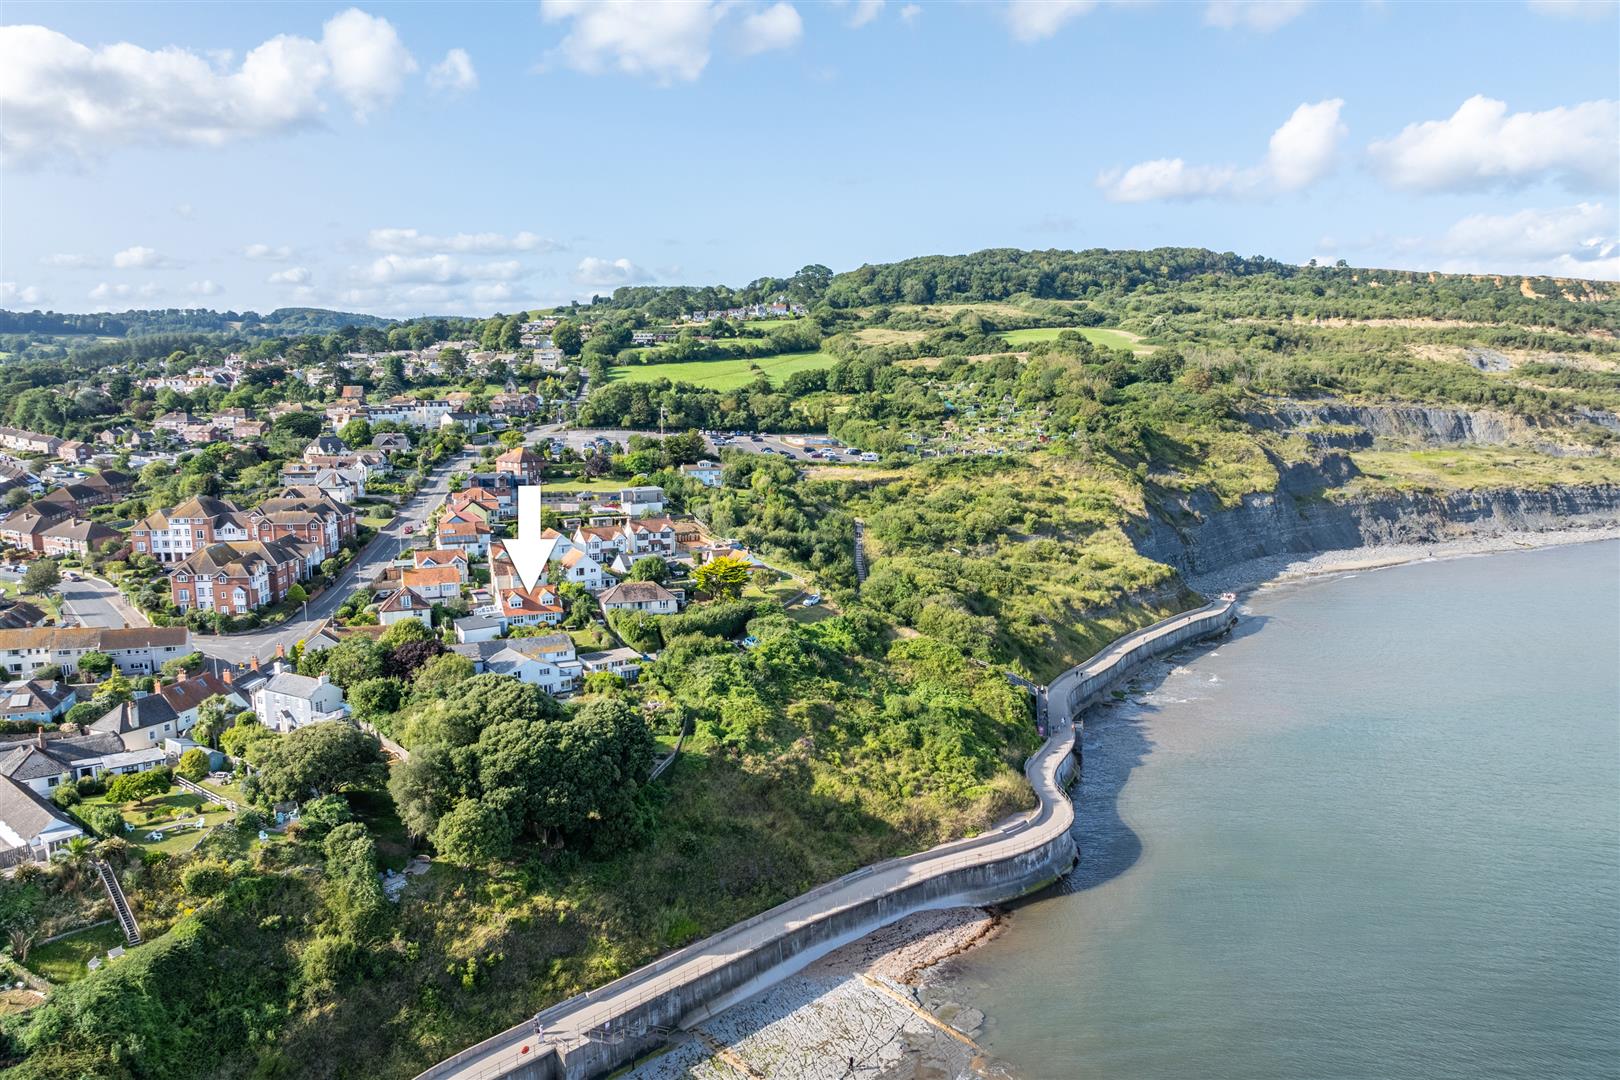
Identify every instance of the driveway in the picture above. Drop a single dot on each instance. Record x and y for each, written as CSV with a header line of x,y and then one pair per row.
x,y
390,540
94,602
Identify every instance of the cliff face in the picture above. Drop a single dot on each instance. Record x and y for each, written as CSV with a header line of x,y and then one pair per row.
x,y
1196,536
1427,425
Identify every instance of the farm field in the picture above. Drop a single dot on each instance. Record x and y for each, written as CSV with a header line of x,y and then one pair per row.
x,y
1113,339
726,374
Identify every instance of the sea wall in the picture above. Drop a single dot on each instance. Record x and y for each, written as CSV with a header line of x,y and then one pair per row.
x,y
595,1033
1198,536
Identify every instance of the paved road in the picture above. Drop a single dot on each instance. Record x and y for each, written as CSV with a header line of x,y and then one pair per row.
x,y
390,540
567,1023
94,602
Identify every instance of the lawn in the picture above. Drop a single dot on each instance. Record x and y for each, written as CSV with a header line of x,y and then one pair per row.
x,y
63,960
1113,339
726,374
569,483
165,815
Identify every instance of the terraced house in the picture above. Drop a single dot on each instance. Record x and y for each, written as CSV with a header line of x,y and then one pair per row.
x,y
136,650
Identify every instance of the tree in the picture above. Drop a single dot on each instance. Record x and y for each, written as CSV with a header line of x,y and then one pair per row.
x,y
478,831
297,593
356,434
98,664
374,698
318,760
140,786
105,820
243,738
353,661
42,576
213,718
722,578
404,632
354,896
424,788
567,337
440,675
603,682
22,903
15,498
194,764
649,568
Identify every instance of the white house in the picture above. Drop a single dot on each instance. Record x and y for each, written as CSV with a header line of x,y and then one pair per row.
x,y
648,536
625,663
705,472
552,678
641,501
575,566
402,604
291,701
648,596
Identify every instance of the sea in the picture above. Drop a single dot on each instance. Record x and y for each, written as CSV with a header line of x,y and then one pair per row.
x,y
1374,835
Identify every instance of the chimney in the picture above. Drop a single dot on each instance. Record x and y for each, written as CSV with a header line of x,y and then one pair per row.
x,y
254,661
281,651
227,676
180,676
40,737
157,684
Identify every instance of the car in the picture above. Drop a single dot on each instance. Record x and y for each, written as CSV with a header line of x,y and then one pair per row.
x,y
407,530
812,600
71,576
756,438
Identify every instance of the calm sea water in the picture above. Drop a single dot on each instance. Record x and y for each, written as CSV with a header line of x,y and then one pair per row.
x,y
1375,835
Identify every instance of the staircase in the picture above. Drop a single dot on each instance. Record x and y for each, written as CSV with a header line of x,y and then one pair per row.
x,y
860,553
115,893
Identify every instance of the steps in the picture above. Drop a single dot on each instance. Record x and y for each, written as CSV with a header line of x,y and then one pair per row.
x,y
860,553
115,893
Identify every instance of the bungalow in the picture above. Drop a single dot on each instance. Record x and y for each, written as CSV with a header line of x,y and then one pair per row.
x,y
392,442
402,604
30,827
705,472
623,662
471,629
167,712
38,701
648,596
288,701
17,614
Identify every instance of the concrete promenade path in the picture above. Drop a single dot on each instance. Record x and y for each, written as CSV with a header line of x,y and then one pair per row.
x,y
569,1024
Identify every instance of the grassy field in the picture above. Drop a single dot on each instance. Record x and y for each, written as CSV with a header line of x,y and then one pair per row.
x,y
1113,339
726,374
63,960
1455,468
569,483
173,815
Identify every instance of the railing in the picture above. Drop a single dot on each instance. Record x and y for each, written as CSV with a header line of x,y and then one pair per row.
x,y
115,893
210,796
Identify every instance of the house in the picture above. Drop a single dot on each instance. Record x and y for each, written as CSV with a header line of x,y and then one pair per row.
x,y
39,701
25,527
552,678
470,537
288,701
472,629
528,607
649,536
402,604
575,566
325,445
136,650
642,501
173,535
248,430
434,583
167,712
28,442
392,442
431,558
705,472
108,485
648,596
623,662
306,515
31,829
235,578
600,542
16,614
75,536
342,484
514,404
522,464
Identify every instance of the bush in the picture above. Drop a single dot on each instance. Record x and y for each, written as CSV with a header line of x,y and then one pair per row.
x,y
204,879
194,764
104,820
66,795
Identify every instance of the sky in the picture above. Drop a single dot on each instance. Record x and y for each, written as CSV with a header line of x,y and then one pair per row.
x,y
406,159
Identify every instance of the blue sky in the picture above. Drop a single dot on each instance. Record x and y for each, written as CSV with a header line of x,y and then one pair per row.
x,y
412,158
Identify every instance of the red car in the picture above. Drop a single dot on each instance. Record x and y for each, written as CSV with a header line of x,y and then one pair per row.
x,y
407,530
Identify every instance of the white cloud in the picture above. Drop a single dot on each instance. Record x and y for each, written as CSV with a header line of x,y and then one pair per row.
x,y
139,258
65,99
865,11
454,74
1483,145
490,294
268,252
293,275
408,241
668,42
1574,9
1261,15
1032,20
910,12
369,62
207,287
121,290
1301,152
437,269
12,293
1575,241
608,273
69,261
1306,147
776,27
184,210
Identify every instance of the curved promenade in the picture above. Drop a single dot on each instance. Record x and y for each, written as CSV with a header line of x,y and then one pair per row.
x,y
594,1033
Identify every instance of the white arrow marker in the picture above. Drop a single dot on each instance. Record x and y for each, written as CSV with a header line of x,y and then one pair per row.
x,y
528,552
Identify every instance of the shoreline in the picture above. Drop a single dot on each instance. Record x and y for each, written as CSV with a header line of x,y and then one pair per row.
x,y
1274,570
